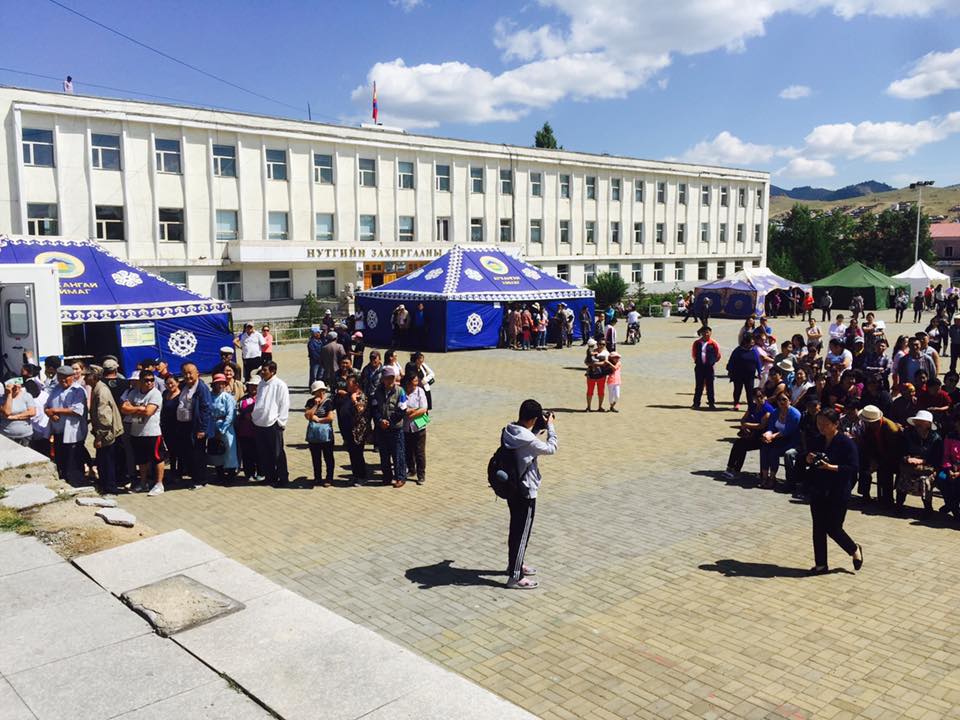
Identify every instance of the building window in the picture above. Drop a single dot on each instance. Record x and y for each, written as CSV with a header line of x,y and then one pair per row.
x,y
947,251
536,184
659,235
658,272
614,269
229,285
705,195
224,161
37,147
591,188
476,229
177,277
678,272
476,179
43,219
227,225
368,228
105,151
756,233
324,232
443,229
723,233
737,265
741,197
536,231
636,273
724,199
506,230
682,194
405,228
564,232
661,192
168,155
277,226
405,175
740,231
721,270
326,283
638,190
702,270
638,233
443,178
323,169
681,233
277,164
171,224
368,172
280,285
704,232
760,198
506,182
615,232
589,273
615,189
110,222
591,232
563,272
565,186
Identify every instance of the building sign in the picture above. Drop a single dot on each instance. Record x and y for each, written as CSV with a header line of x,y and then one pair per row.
x,y
350,253
138,335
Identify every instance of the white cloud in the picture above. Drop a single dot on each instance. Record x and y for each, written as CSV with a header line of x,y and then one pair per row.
x,y
728,149
801,167
932,74
880,142
597,49
406,5
662,83
795,92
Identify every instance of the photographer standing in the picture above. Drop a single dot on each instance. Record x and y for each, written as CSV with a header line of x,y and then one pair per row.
x,y
521,438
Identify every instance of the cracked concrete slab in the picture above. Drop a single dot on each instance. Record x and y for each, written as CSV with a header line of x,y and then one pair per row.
x,y
179,603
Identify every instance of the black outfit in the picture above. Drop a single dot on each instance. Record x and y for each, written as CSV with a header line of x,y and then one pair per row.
x,y
829,493
522,510
69,460
917,309
703,371
271,457
826,309
742,368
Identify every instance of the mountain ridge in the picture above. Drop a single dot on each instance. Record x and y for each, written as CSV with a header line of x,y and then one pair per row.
x,y
806,192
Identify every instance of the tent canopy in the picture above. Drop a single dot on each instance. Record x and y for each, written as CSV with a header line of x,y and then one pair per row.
x,y
920,276
143,314
743,293
873,285
465,294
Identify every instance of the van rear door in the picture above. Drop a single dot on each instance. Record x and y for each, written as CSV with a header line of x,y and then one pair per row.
x,y
18,326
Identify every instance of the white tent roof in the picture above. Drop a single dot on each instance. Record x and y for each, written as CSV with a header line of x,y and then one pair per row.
x,y
921,271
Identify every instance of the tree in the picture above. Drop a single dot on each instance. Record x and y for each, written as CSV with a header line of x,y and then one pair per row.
x,y
608,289
310,311
545,139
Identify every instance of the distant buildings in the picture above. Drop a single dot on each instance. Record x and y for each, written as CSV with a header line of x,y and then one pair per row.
x,y
946,246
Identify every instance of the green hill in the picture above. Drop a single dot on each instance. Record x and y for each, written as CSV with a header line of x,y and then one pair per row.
x,y
936,201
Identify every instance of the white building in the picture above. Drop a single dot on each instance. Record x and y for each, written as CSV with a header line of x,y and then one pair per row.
x,y
260,210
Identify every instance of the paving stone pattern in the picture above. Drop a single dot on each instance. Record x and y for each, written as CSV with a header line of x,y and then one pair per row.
x,y
666,593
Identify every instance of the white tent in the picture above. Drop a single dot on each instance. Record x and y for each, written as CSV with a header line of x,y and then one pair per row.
x,y
920,276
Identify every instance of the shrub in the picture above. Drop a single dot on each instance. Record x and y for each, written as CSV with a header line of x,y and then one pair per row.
x,y
608,289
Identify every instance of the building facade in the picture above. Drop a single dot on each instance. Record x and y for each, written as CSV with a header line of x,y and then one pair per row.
x,y
259,211
946,246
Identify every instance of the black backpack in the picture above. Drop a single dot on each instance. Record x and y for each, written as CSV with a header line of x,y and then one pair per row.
x,y
502,473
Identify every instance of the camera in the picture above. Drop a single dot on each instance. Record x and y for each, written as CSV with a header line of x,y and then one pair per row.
x,y
819,459
542,421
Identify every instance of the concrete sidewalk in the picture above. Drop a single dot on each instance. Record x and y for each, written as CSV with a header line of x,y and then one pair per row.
x,y
73,650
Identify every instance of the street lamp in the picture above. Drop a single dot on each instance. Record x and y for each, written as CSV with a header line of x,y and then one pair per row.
x,y
918,186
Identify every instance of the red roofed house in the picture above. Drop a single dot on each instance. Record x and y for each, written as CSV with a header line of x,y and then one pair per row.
x,y
946,246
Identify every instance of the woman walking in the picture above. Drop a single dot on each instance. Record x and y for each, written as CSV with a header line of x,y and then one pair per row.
x,y
319,414
415,428
833,464
222,448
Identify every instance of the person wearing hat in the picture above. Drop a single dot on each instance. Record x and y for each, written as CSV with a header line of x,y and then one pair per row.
x,y
327,321
330,356
226,358
106,426
357,349
270,415
879,452
922,457
251,345
314,346
246,434
388,408
319,414
222,447
706,354
67,409
17,409
142,405
613,379
787,368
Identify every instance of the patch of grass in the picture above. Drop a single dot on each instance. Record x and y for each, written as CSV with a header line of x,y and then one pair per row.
x,y
12,521
3,492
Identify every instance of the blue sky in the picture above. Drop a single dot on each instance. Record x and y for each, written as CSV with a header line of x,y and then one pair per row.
x,y
876,83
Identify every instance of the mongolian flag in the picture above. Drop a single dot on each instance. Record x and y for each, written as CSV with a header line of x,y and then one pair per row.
x,y
375,102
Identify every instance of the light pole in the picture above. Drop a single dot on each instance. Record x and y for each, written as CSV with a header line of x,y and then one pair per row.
x,y
918,186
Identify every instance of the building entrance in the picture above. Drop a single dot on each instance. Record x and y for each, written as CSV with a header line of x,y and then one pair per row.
x,y
376,274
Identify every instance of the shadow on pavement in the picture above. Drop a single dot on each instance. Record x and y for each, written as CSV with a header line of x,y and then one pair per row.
x,y
738,568
443,573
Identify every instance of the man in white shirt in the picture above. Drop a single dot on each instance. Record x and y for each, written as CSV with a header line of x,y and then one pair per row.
x,y
67,409
251,344
270,414
142,406
838,330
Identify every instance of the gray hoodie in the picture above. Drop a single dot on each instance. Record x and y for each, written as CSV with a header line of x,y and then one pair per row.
x,y
528,447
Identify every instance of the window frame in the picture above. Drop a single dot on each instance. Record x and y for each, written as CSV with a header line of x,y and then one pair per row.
x,y
281,281
372,235
705,232
563,271
536,184
722,234
166,273
681,193
679,272
638,233
98,151
406,228
316,227
406,175
224,164
638,191
615,232
323,174
505,224
589,272
659,233
636,272
536,224
284,235
440,177
702,270
741,232
681,233
443,229
658,272
276,169
721,270
366,176
724,196
614,268
162,155
757,232
705,195
563,230
564,186
223,235
104,224
476,229
29,147
43,224
616,189
224,286
741,197
590,187
661,192
477,176
590,232
737,265
329,276
166,225
506,181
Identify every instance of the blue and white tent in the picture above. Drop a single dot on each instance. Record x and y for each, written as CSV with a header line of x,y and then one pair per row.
x,y
108,306
465,294
743,293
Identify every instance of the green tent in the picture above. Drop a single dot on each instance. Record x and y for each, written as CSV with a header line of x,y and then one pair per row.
x,y
875,287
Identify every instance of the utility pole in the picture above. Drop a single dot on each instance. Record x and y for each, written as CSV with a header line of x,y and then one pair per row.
x,y
918,186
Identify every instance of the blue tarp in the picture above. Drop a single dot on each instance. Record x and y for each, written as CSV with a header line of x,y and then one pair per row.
x,y
465,294
98,287
743,293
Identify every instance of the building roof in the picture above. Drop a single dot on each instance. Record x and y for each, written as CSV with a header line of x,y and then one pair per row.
x,y
97,285
858,275
940,231
921,271
753,279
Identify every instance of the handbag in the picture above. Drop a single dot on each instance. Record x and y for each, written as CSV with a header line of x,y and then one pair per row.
x,y
319,432
421,421
216,445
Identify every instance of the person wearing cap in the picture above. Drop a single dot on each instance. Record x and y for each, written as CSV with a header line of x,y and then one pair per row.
x,y
106,426
922,458
314,346
270,415
142,405
419,367
706,354
319,414
357,349
388,408
222,447
613,379
246,432
67,409
125,469
400,324
330,356
226,358
328,321
267,352
250,344
194,424
50,365
879,452
17,409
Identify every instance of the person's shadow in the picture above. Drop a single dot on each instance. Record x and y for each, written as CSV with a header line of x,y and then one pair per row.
x,y
738,568
443,573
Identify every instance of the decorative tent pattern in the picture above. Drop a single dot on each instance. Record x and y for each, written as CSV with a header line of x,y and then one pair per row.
x,y
125,309
920,276
465,294
743,293
875,287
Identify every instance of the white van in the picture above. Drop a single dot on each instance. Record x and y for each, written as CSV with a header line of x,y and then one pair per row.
x,y
30,327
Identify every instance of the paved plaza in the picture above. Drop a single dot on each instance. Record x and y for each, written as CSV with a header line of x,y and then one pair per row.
x,y
665,592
